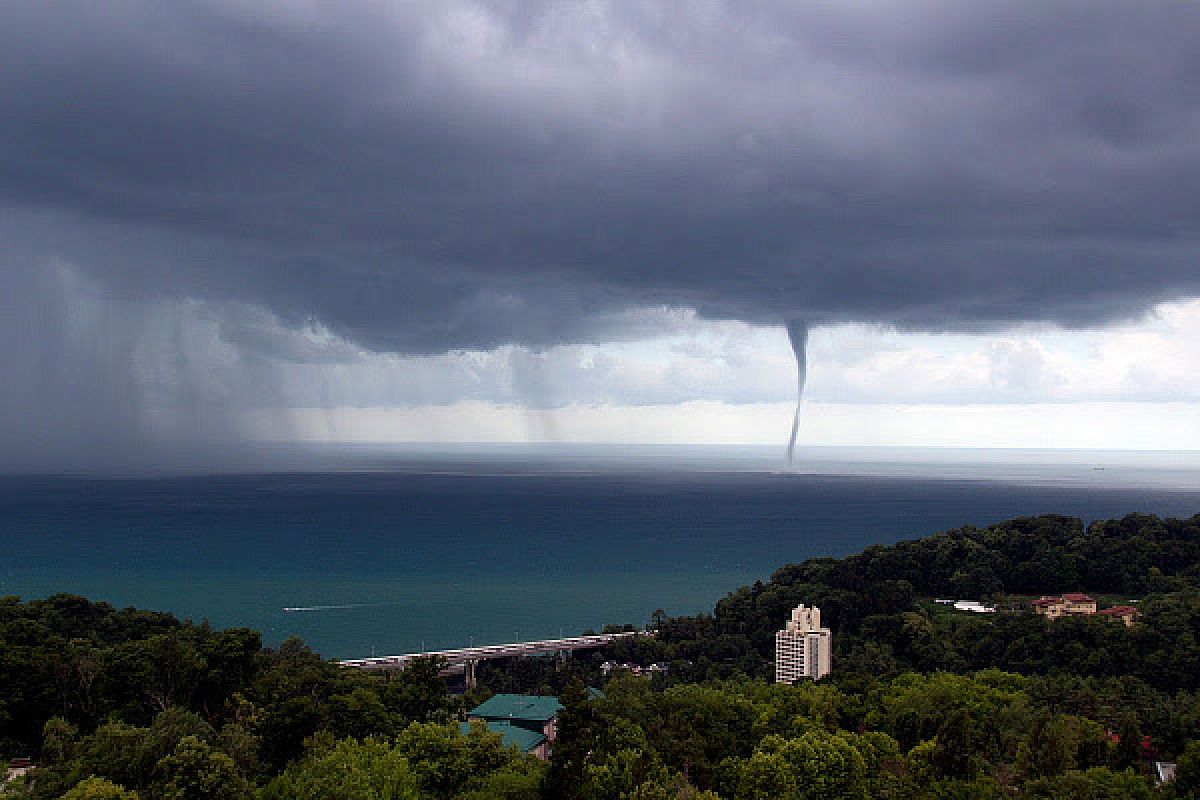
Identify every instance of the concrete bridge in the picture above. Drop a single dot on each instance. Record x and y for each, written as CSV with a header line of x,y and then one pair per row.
x,y
463,660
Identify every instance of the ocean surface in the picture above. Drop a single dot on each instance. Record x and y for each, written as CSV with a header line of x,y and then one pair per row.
x,y
387,551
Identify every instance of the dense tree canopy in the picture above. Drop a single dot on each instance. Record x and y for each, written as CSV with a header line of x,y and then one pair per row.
x,y
924,702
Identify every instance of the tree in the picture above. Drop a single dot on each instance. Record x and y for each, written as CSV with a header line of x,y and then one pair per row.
x,y
195,771
768,775
444,761
172,726
348,770
418,693
1047,750
1187,771
673,788
360,714
168,668
576,739
242,746
119,752
817,766
954,751
99,789
520,781
1098,783
886,771
1128,754
58,741
695,727
77,671
619,773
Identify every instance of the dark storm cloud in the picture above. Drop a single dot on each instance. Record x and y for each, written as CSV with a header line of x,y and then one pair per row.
x,y
421,176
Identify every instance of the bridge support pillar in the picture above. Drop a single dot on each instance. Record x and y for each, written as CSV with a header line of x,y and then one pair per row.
x,y
469,674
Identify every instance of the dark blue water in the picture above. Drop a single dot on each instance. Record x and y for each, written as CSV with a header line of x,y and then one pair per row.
x,y
413,558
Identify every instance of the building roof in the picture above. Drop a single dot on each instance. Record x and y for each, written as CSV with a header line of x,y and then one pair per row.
x,y
1047,601
973,606
1117,611
1078,597
523,739
527,707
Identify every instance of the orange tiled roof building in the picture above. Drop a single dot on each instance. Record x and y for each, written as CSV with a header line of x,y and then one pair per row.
x,y
1079,604
1123,614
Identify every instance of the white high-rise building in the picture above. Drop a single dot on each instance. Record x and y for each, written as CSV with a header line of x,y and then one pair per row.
x,y
803,649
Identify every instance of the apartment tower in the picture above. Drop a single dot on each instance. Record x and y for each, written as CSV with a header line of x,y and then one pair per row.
x,y
803,649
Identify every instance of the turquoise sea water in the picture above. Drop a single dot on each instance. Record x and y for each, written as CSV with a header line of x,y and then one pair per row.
x,y
393,552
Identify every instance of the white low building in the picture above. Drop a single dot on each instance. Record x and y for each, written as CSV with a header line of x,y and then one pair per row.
x,y
974,606
803,649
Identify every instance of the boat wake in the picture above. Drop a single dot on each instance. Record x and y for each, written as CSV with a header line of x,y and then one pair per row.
x,y
341,607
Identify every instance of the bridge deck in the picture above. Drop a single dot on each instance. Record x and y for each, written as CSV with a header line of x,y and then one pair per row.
x,y
462,655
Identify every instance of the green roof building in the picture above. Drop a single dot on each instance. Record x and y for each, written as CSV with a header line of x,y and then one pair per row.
x,y
525,740
530,713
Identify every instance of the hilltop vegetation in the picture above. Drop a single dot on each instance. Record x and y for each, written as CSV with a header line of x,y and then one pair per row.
x,y
870,601
923,703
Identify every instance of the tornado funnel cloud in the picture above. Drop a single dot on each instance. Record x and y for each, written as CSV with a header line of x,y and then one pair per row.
x,y
798,336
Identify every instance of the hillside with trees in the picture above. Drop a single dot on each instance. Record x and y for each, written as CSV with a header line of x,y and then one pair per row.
x,y
923,702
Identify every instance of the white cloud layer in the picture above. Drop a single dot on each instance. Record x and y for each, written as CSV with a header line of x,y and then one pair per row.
x,y
690,359
1131,387
200,371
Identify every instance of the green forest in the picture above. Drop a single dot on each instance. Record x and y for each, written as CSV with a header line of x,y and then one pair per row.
x,y
924,702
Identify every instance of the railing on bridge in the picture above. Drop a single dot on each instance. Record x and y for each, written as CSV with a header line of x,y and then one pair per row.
x,y
467,657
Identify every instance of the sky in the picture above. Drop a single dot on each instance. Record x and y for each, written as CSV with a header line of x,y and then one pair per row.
x,y
225,222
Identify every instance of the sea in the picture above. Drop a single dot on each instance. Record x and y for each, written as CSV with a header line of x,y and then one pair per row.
x,y
378,551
